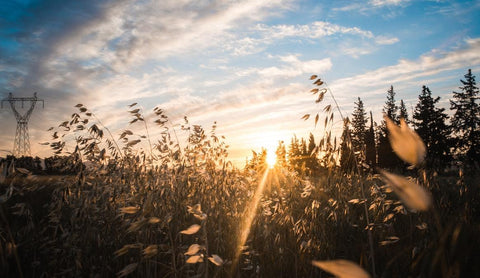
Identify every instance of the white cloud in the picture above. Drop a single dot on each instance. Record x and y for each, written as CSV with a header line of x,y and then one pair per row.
x,y
380,3
268,35
408,70
372,5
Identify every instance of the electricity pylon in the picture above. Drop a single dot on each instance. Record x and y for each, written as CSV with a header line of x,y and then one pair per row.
x,y
21,146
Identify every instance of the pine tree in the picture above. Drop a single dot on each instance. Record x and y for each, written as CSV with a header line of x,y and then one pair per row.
x,y
466,120
294,154
281,154
386,157
346,152
303,155
402,112
312,161
390,108
370,147
359,122
430,124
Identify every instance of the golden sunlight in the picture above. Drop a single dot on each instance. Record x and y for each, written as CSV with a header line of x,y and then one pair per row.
x,y
271,158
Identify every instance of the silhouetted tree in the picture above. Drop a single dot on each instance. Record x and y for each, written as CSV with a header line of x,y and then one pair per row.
x,y
402,112
430,124
258,161
466,120
359,122
390,108
347,159
312,161
294,154
386,157
281,154
370,147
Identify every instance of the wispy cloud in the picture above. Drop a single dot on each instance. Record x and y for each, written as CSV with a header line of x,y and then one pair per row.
x,y
376,82
266,35
370,6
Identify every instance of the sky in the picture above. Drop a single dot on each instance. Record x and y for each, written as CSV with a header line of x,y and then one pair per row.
x,y
242,64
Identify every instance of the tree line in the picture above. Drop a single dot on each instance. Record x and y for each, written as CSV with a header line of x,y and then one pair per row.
x,y
451,140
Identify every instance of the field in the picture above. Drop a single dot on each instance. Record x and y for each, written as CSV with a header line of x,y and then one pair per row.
x,y
181,209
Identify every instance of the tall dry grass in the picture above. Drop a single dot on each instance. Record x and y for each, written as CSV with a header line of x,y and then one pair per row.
x,y
167,207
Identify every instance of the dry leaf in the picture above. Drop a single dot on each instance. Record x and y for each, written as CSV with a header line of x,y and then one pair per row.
x,y
154,220
216,260
405,142
342,268
191,230
194,259
193,249
129,210
22,171
412,194
127,270
150,251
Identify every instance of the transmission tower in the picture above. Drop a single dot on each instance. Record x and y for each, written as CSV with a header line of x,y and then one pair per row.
x,y
21,146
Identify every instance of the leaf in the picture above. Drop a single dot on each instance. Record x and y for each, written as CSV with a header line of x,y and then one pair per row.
x,y
320,97
135,111
216,260
193,249
196,209
129,210
83,109
23,171
305,117
316,120
194,259
390,240
191,230
79,105
150,251
422,226
412,195
313,77
314,91
319,82
127,270
342,268
133,104
154,220
405,142
357,201
132,143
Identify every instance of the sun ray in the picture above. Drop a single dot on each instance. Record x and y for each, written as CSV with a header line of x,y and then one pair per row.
x,y
250,215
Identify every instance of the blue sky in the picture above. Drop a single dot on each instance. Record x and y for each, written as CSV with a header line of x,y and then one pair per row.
x,y
244,64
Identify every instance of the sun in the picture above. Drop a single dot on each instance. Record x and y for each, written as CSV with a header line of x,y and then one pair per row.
x,y
271,158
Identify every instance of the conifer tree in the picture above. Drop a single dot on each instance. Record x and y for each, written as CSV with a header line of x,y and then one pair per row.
x,y
294,153
303,155
312,162
281,154
386,157
402,112
370,147
346,152
359,122
466,120
390,108
430,124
